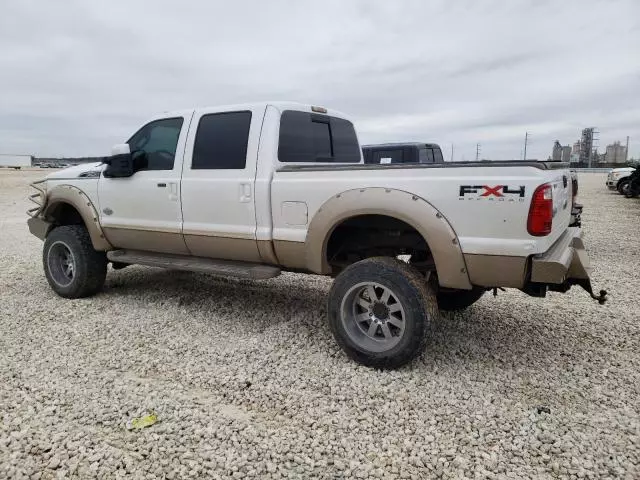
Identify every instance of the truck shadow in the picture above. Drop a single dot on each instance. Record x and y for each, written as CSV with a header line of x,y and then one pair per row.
x,y
263,303
481,338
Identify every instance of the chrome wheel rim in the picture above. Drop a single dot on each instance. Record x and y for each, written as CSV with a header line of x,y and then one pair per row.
x,y
61,263
373,316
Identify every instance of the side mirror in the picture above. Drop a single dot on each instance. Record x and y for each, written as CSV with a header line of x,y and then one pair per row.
x,y
120,163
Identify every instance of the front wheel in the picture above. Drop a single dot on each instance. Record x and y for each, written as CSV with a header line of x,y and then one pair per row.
x,y
380,312
631,190
623,186
72,267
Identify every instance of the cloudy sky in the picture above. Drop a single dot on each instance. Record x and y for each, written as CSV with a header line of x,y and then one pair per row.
x,y
79,76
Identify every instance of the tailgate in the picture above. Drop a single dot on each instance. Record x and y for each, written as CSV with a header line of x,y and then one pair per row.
x,y
562,202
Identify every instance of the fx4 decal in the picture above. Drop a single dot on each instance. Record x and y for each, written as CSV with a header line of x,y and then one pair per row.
x,y
498,192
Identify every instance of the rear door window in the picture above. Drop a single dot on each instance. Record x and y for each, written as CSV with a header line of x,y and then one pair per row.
x,y
221,141
310,137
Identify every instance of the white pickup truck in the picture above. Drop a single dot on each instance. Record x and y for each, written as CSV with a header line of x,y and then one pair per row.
x,y
253,190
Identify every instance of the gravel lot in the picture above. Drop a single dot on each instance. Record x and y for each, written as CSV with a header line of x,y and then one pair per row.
x,y
247,381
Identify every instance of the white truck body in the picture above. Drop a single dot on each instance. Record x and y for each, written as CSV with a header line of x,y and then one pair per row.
x,y
281,186
15,161
253,198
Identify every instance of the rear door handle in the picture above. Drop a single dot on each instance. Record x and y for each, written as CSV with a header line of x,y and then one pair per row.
x,y
173,191
245,192
162,185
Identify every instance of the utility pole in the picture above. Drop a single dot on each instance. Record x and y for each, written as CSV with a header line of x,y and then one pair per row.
x,y
626,151
477,151
526,138
451,159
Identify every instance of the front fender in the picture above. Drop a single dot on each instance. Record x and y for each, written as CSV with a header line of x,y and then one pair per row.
x,y
411,209
82,203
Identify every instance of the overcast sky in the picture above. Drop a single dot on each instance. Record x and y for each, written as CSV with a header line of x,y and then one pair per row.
x,y
79,76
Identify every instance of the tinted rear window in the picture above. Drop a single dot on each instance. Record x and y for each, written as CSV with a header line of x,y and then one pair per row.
x,y
221,141
388,156
310,137
430,158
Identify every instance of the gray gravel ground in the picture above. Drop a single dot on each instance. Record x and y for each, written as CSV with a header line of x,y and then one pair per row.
x,y
247,381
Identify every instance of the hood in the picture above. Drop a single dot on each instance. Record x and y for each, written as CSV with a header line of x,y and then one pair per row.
x,y
89,170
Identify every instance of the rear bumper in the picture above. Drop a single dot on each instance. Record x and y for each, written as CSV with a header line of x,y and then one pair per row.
x,y
565,264
567,258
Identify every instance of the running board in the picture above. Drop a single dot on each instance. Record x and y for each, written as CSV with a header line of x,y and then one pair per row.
x,y
227,268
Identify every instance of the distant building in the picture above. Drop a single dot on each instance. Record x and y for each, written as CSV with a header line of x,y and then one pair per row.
x,y
560,153
598,157
586,145
556,153
616,153
576,148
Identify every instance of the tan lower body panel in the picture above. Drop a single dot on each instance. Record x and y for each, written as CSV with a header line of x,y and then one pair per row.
x,y
242,249
291,254
496,270
146,240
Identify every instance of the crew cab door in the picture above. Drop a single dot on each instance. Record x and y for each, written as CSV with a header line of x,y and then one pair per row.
x,y
143,212
218,184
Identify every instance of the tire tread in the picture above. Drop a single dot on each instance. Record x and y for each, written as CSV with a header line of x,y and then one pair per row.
x,y
91,264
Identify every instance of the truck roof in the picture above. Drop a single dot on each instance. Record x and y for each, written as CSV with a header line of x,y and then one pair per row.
x,y
401,144
280,105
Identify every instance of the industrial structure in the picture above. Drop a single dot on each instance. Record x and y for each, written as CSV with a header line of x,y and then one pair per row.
x,y
561,153
616,153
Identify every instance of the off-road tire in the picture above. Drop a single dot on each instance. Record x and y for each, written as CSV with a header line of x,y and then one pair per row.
x,y
89,265
416,297
453,300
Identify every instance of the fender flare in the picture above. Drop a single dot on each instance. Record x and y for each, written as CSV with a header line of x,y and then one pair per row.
x,y
82,203
411,209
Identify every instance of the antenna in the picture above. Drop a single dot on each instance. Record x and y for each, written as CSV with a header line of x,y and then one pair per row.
x,y
477,151
526,139
451,159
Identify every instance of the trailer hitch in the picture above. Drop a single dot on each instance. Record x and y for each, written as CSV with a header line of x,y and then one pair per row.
x,y
586,284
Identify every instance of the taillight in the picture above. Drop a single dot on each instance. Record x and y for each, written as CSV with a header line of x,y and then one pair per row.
x,y
540,218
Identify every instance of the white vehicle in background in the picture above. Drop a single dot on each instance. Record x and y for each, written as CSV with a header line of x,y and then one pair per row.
x,y
618,177
15,161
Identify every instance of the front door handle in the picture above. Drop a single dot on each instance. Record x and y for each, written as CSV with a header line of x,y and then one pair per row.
x,y
162,185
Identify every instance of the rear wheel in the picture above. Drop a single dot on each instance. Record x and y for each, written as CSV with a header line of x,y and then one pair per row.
x,y
453,300
72,267
380,312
